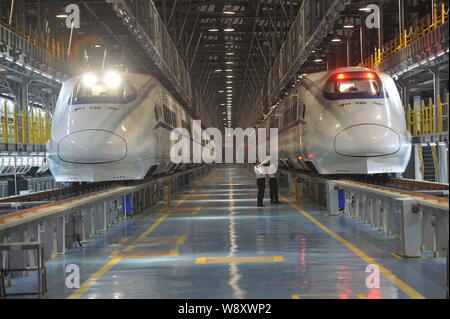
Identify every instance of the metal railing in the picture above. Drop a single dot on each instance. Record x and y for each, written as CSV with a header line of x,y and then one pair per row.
x,y
41,40
149,29
431,119
422,27
22,128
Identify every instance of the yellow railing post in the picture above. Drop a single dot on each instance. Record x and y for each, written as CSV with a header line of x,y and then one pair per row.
x,y
24,127
47,126
31,127
16,125
5,123
443,13
41,128
422,118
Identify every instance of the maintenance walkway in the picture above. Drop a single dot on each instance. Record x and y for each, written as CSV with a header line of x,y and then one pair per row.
x,y
213,242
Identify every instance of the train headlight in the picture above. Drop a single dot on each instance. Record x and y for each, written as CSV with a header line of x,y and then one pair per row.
x,y
112,79
89,79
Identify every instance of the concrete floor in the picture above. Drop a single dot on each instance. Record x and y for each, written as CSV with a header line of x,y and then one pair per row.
x,y
278,251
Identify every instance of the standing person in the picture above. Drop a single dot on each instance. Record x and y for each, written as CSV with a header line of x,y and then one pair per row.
x,y
260,181
273,184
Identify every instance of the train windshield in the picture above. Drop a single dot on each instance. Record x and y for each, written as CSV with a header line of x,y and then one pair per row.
x,y
102,92
353,85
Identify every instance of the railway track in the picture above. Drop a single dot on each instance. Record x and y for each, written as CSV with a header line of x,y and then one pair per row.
x,y
17,203
425,189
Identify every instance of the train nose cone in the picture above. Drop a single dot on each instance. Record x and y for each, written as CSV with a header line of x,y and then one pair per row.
x,y
367,140
92,146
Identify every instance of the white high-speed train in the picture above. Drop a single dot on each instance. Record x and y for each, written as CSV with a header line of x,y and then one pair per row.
x,y
344,121
114,126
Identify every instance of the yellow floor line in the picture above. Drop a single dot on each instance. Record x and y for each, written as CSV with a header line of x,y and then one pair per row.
x,y
386,273
100,272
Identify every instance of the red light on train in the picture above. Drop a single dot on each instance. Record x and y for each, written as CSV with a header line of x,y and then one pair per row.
x,y
370,75
310,155
341,76
300,158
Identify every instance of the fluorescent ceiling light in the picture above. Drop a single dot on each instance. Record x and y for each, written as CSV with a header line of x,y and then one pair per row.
x,y
61,15
348,26
213,30
228,30
229,53
229,12
336,40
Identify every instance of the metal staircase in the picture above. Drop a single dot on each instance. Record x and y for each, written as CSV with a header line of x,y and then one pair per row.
x,y
429,163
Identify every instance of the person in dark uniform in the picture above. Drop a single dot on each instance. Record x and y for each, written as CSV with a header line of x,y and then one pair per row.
x,y
273,185
261,182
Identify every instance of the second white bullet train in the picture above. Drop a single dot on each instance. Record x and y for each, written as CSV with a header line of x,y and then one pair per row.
x,y
114,126
344,121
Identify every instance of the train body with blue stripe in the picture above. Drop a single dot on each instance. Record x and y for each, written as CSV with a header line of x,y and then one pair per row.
x,y
114,126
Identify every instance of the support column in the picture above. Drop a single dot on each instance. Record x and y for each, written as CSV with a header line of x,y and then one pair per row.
x,y
442,149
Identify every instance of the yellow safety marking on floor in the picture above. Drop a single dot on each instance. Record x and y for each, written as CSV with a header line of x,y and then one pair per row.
x,y
152,241
91,280
398,256
174,213
228,260
359,296
181,208
144,253
369,260
181,240
100,272
195,195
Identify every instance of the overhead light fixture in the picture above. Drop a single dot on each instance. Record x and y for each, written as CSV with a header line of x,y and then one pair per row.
x,y
229,82
97,46
228,30
229,70
318,60
336,40
221,91
229,53
365,9
348,26
61,15
230,76
229,12
218,70
229,62
213,30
